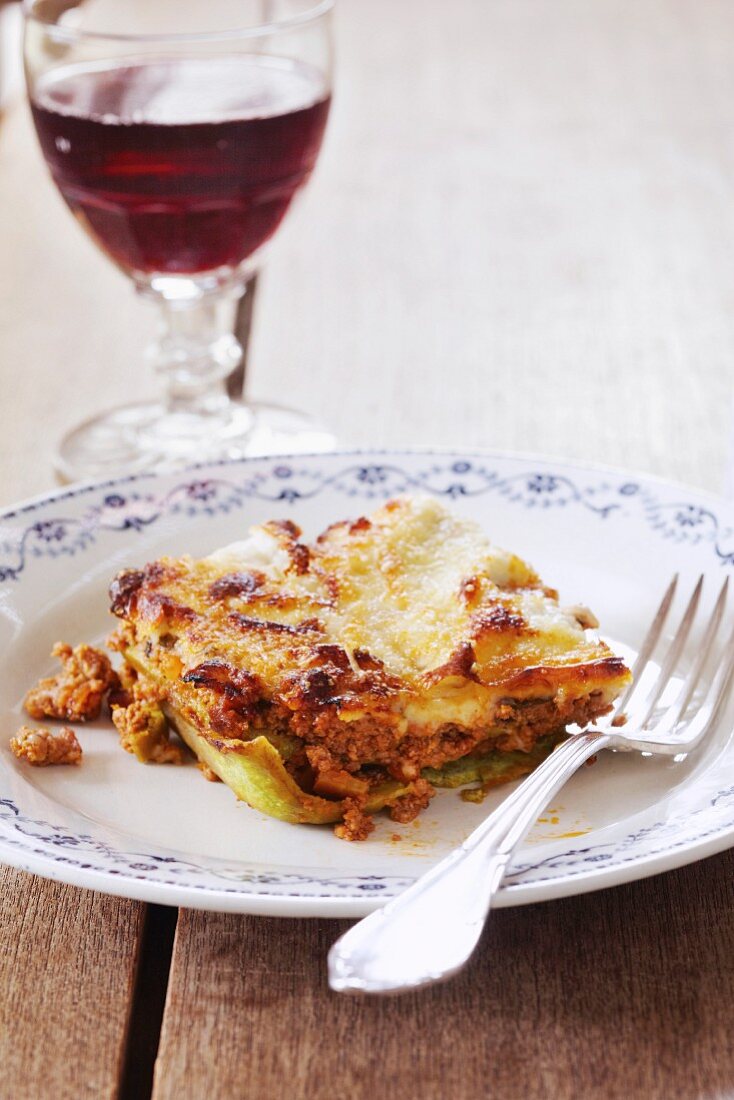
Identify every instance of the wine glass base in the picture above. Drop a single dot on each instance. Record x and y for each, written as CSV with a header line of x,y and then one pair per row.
x,y
147,436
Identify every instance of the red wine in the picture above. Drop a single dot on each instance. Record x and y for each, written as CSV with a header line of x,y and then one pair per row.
x,y
181,166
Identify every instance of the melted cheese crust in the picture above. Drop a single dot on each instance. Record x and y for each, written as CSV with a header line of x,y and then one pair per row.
x,y
427,624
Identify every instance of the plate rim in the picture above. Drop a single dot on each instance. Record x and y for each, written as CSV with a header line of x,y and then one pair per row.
x,y
209,899
78,488
300,905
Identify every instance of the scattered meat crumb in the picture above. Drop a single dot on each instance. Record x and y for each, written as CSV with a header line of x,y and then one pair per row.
x,y
75,693
208,772
619,720
41,747
357,825
410,805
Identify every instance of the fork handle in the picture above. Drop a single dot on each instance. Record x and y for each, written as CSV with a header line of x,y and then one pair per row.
x,y
429,931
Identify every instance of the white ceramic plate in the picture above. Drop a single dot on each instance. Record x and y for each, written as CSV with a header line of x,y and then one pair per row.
x,y
604,538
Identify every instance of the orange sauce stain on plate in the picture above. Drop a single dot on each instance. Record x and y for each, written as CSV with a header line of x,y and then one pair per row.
x,y
553,816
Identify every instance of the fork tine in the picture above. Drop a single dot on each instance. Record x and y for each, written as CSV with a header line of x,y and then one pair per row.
x,y
715,696
677,710
673,655
648,645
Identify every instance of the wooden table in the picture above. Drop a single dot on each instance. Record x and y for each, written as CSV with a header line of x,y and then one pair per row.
x,y
521,235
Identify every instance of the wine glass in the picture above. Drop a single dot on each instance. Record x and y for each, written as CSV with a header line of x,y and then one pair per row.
x,y
178,134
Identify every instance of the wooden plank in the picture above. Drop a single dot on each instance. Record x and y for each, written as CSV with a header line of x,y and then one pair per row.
x,y
622,994
145,1011
67,970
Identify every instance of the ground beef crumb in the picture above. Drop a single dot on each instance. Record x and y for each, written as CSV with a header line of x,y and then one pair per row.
x,y
410,805
122,693
357,825
144,730
41,747
208,772
76,693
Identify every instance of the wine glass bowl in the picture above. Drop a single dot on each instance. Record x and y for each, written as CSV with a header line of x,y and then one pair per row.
x,y
180,152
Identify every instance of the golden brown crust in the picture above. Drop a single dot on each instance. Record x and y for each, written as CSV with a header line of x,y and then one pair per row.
x,y
76,693
242,585
41,747
239,692
607,668
460,664
497,618
123,591
288,534
389,645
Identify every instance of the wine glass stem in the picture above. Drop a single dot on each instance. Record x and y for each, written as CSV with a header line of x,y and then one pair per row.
x,y
196,350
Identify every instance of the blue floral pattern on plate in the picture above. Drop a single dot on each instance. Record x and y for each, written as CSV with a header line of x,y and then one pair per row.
x,y
134,510
70,523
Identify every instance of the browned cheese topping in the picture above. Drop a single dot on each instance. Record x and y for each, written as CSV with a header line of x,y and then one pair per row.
x,y
390,644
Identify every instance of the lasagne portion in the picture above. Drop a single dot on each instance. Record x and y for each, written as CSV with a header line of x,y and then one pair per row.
x,y
323,681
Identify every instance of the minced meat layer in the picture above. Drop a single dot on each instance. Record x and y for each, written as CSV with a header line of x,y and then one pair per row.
x,y
216,700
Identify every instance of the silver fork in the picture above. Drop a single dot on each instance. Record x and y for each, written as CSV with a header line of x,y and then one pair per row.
x,y
428,932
